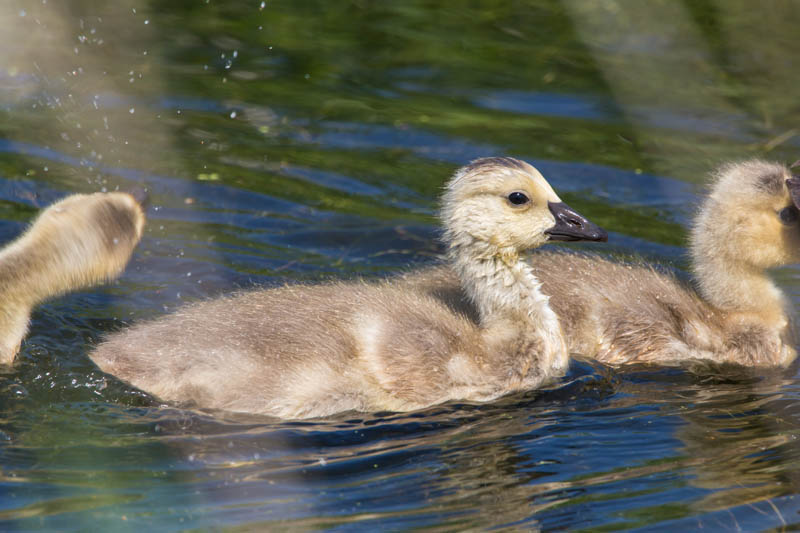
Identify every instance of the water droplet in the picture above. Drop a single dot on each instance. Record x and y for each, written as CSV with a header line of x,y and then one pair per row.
x,y
233,114
131,110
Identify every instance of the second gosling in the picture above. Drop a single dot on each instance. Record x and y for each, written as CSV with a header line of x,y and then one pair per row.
x,y
309,351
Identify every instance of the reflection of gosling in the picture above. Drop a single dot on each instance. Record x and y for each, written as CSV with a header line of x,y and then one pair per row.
x,y
302,351
621,313
77,242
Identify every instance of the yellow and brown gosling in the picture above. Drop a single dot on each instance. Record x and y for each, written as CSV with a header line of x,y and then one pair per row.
x,y
307,351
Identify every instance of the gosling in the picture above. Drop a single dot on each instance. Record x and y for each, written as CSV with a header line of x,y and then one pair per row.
x,y
634,313
78,242
311,351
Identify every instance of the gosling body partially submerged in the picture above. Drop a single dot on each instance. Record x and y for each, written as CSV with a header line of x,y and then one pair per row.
x,y
78,242
632,313
303,351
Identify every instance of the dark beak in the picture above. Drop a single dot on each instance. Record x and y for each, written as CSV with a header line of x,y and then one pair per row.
x,y
793,184
570,226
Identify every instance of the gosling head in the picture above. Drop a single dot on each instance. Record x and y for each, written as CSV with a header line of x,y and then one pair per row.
x,y
91,236
751,218
506,205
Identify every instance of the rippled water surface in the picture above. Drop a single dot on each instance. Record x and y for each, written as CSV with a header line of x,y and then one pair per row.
x,y
308,140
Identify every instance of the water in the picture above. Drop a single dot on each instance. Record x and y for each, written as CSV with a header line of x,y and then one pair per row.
x,y
308,141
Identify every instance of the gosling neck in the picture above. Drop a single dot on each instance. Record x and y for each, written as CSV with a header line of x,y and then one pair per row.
x,y
730,284
16,301
503,287
22,280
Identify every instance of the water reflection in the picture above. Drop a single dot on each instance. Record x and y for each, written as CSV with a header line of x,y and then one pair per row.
x,y
306,141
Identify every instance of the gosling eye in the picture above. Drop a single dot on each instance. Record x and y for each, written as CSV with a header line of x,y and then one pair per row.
x,y
789,215
518,198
